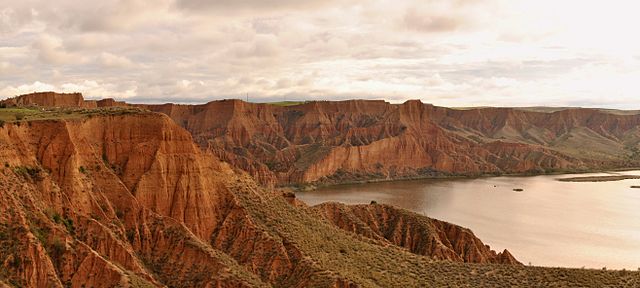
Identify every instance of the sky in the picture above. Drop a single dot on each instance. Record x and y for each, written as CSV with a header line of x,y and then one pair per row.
x,y
445,52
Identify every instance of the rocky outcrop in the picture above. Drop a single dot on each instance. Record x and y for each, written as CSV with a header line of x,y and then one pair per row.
x,y
419,234
77,192
353,140
360,140
129,200
60,100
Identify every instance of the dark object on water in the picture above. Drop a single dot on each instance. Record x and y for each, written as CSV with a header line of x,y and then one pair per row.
x,y
635,186
518,189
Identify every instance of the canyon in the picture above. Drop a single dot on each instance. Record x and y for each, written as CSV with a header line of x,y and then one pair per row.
x,y
108,194
362,140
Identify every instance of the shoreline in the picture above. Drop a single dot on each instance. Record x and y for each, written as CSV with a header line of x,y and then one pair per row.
x,y
317,185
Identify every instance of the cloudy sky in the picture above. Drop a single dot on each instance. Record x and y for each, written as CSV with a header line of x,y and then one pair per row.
x,y
446,52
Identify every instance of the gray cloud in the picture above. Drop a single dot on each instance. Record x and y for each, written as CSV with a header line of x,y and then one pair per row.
x,y
431,23
251,5
457,52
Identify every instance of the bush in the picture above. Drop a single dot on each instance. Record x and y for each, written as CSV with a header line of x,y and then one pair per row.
x,y
1,123
68,223
19,116
32,172
82,170
58,247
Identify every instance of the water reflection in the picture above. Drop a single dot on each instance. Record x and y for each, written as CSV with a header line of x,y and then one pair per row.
x,y
549,223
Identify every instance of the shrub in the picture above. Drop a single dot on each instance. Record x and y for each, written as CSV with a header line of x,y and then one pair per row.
x,y
1,123
68,223
19,116
58,247
33,172
57,218
82,170
131,235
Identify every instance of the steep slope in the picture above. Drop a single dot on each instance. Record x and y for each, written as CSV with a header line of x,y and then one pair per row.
x,y
354,140
68,191
115,199
360,140
419,234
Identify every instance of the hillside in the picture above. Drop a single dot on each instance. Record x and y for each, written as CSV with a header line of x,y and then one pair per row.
x,y
128,199
361,140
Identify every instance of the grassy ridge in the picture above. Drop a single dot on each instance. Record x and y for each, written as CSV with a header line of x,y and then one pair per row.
x,y
35,113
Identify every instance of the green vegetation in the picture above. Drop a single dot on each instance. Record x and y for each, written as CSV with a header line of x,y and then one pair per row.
x,y
12,114
57,249
310,154
27,171
35,113
370,264
82,170
68,223
599,178
286,103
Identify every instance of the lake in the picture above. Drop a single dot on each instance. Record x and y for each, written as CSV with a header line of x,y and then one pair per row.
x,y
549,223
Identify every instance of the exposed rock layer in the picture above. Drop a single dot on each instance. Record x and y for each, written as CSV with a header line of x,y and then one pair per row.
x,y
363,140
358,140
421,235
130,201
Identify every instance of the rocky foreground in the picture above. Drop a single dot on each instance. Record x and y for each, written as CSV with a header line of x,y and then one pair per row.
x,y
126,198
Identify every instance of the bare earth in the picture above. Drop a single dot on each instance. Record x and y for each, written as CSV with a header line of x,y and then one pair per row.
x,y
599,178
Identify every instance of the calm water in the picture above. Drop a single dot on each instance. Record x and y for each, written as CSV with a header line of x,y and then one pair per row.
x,y
550,223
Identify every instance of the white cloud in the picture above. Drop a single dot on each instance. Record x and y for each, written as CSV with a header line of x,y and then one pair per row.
x,y
51,51
109,60
37,86
448,52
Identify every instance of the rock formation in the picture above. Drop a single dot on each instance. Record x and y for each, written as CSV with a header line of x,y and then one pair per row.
x,y
116,199
359,140
362,140
420,234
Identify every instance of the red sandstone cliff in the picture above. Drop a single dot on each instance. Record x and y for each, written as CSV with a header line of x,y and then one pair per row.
x,y
419,234
361,140
53,99
129,200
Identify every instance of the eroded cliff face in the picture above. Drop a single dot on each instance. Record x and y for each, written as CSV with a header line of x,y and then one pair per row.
x,y
356,140
362,140
61,100
130,200
78,209
420,234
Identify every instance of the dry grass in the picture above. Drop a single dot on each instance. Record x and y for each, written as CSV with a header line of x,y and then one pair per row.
x,y
24,114
370,264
